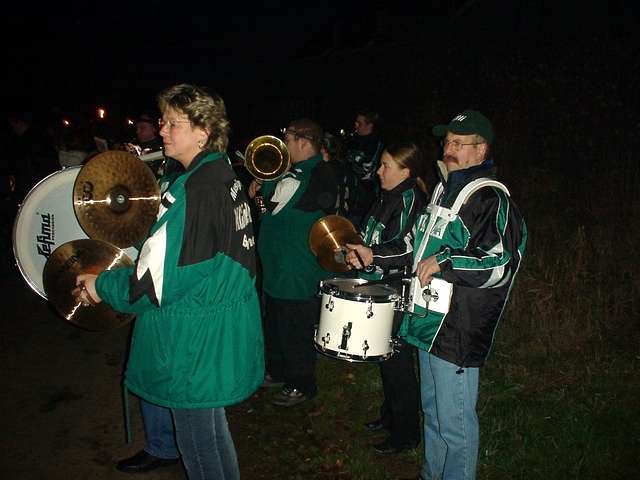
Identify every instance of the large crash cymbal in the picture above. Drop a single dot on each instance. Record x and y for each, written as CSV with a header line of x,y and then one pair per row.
x,y
327,240
334,229
59,277
116,198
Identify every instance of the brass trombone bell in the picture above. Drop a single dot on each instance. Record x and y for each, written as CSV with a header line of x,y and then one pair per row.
x,y
266,158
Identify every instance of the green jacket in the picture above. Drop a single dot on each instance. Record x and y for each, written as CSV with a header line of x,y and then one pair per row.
x,y
197,340
302,196
479,251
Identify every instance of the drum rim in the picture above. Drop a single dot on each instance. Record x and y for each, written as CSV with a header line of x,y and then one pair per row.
x,y
16,221
347,357
358,297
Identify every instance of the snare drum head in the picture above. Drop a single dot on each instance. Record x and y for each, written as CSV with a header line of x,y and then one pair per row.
x,y
348,288
45,220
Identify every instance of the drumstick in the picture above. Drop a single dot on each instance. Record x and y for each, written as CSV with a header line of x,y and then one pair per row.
x,y
359,258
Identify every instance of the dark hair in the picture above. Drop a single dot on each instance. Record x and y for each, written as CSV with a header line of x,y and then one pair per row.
x,y
407,155
333,145
310,130
204,109
370,115
148,117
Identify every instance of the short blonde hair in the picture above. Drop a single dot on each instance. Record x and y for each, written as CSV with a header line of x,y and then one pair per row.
x,y
205,110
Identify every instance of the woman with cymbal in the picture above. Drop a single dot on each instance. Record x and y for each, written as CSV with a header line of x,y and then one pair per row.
x,y
197,344
390,220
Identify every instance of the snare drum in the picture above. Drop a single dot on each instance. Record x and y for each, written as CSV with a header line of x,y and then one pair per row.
x,y
46,220
356,323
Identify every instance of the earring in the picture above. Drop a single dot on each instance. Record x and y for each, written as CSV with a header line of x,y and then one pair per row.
x,y
200,144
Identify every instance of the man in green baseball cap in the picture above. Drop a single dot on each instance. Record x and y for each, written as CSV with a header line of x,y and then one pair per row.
x,y
467,139
467,123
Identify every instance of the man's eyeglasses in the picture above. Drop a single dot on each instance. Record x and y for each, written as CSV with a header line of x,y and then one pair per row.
x,y
170,123
455,144
294,134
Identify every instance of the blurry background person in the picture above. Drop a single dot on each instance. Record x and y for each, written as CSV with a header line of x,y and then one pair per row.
x,y
362,157
73,146
147,132
149,141
31,151
197,341
332,151
390,221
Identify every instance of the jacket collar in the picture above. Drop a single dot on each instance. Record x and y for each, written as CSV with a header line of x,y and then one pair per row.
x,y
458,178
307,164
406,184
200,158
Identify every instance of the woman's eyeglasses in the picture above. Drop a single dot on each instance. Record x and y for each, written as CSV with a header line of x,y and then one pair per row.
x,y
170,123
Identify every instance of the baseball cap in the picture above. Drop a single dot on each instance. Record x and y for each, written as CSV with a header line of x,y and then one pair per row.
x,y
468,122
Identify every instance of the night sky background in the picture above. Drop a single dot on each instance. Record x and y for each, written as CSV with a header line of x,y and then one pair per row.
x,y
278,60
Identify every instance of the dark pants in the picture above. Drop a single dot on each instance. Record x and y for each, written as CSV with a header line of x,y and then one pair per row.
x,y
400,409
288,333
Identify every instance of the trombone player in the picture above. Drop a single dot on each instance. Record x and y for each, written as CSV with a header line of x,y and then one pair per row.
x,y
291,274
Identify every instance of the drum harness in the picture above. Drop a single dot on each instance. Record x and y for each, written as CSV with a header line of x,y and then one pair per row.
x,y
439,217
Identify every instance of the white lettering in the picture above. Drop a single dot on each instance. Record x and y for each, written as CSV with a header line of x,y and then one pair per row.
x,y
235,188
248,242
242,215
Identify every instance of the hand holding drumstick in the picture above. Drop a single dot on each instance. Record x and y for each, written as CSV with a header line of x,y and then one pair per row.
x,y
359,256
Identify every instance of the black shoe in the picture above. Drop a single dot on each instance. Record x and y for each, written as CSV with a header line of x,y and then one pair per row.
x,y
375,426
144,462
387,448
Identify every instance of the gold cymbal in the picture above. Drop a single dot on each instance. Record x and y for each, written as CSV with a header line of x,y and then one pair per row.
x,y
333,228
327,239
59,277
116,198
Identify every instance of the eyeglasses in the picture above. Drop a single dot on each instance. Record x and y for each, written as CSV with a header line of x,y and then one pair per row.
x,y
296,135
286,131
171,124
455,144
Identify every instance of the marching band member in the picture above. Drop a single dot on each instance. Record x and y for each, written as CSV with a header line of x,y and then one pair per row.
x,y
390,219
197,342
290,271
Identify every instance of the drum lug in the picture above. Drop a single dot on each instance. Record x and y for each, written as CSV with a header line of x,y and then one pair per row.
x,y
365,347
326,339
370,310
329,304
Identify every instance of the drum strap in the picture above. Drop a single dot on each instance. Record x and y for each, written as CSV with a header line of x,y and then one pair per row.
x,y
446,215
439,218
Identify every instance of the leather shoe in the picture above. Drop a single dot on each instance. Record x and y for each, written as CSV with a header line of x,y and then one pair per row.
x,y
375,426
387,448
144,462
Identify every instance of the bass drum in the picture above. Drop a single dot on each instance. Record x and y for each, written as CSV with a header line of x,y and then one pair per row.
x,y
45,220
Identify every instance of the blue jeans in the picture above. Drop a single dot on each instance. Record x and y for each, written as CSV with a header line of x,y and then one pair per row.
x,y
158,430
205,443
451,434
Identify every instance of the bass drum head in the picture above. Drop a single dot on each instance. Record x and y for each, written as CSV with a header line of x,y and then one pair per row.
x,y
349,288
45,220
